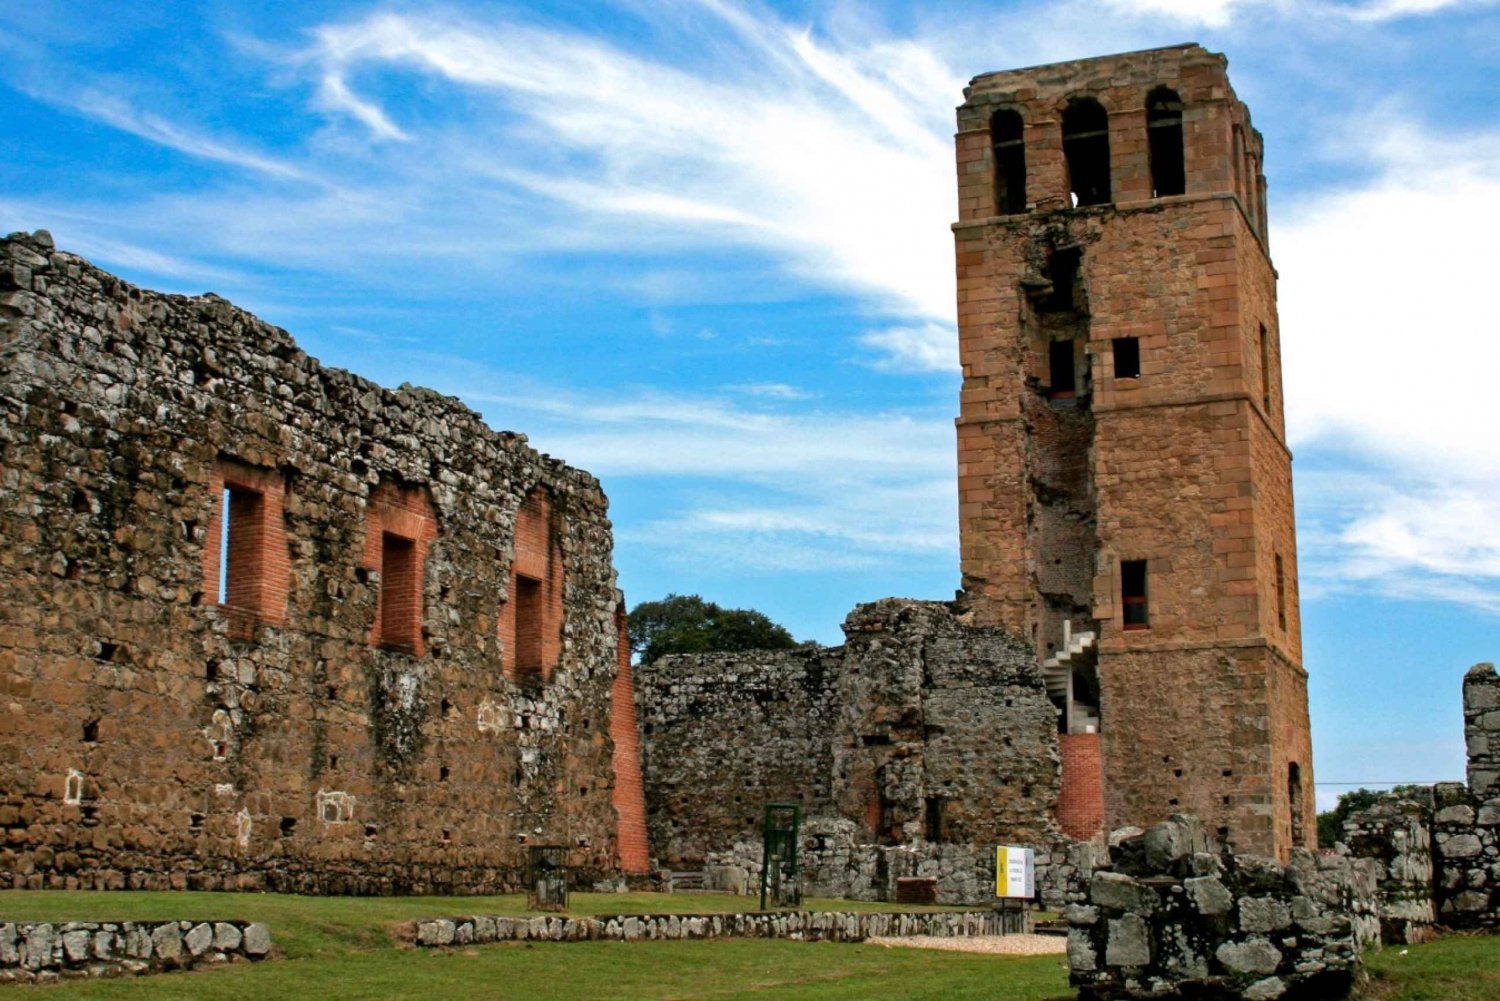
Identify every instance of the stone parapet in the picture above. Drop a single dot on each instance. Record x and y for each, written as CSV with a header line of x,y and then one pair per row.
x,y
51,950
1396,834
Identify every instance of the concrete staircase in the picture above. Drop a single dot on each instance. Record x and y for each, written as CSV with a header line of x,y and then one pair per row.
x,y
1057,670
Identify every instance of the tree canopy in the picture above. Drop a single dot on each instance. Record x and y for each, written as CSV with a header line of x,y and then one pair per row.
x,y
685,623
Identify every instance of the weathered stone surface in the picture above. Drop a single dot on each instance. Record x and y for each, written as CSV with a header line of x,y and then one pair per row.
x,y
257,939
199,939
1256,955
1129,942
1208,895
227,937
1113,890
252,742
1263,914
166,941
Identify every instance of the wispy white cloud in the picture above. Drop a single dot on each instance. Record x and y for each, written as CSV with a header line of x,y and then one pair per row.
x,y
772,390
835,159
1387,355
929,347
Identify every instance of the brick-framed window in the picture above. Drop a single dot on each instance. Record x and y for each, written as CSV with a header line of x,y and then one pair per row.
x,y
530,620
400,528
1062,371
1136,612
246,564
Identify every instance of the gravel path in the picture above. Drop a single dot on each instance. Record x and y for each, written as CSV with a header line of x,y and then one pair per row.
x,y
1005,945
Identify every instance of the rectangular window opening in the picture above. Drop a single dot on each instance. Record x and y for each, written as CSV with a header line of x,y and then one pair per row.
x,y
528,596
400,593
1127,352
1133,594
1062,380
240,547
1062,269
1280,594
935,817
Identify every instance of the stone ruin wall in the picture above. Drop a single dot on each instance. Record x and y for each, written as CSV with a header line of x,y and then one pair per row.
x,y
1438,848
1177,916
326,728
1466,819
914,750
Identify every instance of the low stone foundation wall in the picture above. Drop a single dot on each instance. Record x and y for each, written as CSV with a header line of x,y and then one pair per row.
x,y
47,950
805,926
1179,918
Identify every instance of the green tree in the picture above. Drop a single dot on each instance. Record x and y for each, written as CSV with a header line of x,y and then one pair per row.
x,y
685,623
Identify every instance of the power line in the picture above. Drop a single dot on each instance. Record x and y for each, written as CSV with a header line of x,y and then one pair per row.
x,y
1388,782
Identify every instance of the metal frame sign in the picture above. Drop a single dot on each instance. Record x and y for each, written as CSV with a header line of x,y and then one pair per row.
x,y
1015,872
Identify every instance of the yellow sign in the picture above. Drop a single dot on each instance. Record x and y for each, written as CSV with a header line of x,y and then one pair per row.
x,y
1015,872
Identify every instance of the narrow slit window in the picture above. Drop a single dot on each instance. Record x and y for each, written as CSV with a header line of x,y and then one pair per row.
x,y
1164,139
1294,800
1265,370
530,611
241,546
1086,149
1133,594
1127,354
1062,380
1280,594
400,593
1009,148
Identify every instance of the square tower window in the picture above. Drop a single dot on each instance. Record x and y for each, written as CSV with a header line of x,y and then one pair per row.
x,y
1127,354
1133,594
1062,379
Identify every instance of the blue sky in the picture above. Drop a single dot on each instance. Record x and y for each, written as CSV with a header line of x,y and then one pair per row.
x,y
701,248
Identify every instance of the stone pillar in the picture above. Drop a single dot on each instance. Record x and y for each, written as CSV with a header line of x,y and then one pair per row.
x,y
1482,730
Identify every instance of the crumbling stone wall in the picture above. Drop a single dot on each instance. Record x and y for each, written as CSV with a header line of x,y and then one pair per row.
x,y
1395,833
44,951
341,718
914,749
1177,917
724,734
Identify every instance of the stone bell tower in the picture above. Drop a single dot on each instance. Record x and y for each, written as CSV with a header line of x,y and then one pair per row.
x,y
1124,479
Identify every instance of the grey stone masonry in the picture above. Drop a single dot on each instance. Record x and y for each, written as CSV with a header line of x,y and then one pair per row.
x,y
1395,832
1482,730
1178,917
1466,857
44,951
805,926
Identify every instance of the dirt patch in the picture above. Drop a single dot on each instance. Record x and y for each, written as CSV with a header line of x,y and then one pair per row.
x,y
1001,945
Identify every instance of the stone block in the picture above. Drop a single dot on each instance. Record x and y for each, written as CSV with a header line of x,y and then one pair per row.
x,y
257,939
1129,942
1208,895
199,938
1120,892
1255,955
227,937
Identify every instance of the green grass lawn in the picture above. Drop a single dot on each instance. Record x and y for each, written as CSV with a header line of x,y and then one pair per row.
x,y
1457,968
340,948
